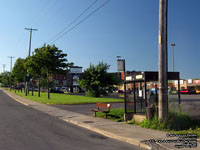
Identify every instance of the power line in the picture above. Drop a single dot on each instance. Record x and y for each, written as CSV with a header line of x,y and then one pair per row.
x,y
81,21
82,13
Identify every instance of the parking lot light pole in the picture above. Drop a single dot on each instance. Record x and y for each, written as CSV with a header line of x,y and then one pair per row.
x,y
173,45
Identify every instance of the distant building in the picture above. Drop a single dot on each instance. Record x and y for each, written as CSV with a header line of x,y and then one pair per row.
x,y
70,79
188,84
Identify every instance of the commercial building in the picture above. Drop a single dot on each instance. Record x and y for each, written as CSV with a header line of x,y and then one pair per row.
x,y
70,79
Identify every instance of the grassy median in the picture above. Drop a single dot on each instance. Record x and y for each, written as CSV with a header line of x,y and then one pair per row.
x,y
65,98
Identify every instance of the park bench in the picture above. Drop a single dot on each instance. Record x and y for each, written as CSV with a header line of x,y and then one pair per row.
x,y
102,107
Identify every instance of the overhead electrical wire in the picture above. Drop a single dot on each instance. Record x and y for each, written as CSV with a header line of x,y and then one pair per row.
x,y
70,29
82,13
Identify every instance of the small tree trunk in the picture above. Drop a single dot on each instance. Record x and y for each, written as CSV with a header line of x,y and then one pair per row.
x,y
48,85
39,89
32,88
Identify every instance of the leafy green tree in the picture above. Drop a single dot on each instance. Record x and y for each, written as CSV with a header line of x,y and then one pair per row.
x,y
5,79
18,72
47,61
97,81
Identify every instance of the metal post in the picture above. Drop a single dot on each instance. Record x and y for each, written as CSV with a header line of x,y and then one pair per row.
x,y
179,96
145,92
141,99
163,65
134,98
125,107
173,45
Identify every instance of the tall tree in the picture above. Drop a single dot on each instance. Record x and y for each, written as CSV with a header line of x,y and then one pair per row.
x,y
97,81
34,69
18,72
5,79
47,61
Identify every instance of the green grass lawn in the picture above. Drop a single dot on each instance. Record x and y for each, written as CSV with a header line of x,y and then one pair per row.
x,y
65,99
116,114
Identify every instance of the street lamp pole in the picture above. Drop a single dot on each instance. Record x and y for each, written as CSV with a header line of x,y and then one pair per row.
x,y
173,45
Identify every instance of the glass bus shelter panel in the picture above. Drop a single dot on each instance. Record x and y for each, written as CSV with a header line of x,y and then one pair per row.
x,y
140,104
129,103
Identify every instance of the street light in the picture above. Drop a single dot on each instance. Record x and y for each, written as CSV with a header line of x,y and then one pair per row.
x,y
173,45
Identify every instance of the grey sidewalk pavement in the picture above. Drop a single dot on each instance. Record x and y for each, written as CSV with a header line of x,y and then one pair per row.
x,y
121,131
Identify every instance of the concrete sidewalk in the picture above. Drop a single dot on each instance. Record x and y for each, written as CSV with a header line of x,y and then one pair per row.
x,y
121,131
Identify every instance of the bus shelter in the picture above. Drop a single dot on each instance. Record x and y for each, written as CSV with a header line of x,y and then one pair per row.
x,y
138,98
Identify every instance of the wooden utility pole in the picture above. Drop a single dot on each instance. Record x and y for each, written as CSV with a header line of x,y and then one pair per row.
x,y
11,57
30,29
163,61
29,53
4,65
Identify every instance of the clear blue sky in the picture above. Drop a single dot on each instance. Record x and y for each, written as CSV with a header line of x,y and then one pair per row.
x,y
128,28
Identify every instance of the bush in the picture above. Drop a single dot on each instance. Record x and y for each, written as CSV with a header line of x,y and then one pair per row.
x,y
93,93
176,121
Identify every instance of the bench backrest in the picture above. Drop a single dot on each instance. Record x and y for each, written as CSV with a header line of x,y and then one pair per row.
x,y
103,105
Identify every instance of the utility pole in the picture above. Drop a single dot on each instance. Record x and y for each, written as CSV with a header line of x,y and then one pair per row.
x,y
163,61
173,45
30,29
11,57
29,53
4,65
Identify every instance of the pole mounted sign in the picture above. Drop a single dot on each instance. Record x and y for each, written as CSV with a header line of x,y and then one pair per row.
x,y
120,65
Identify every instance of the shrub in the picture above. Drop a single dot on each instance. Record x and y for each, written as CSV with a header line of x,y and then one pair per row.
x,y
176,121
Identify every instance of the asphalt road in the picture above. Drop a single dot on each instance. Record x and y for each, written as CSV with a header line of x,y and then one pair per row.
x,y
23,128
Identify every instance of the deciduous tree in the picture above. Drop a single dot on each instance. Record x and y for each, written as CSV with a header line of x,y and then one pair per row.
x,y
97,81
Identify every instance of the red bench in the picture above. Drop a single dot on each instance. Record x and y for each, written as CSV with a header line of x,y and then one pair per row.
x,y
102,107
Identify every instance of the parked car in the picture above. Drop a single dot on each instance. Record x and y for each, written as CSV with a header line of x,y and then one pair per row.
x,y
174,92
187,91
197,91
56,90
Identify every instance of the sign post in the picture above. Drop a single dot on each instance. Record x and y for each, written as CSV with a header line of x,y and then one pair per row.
x,y
121,67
